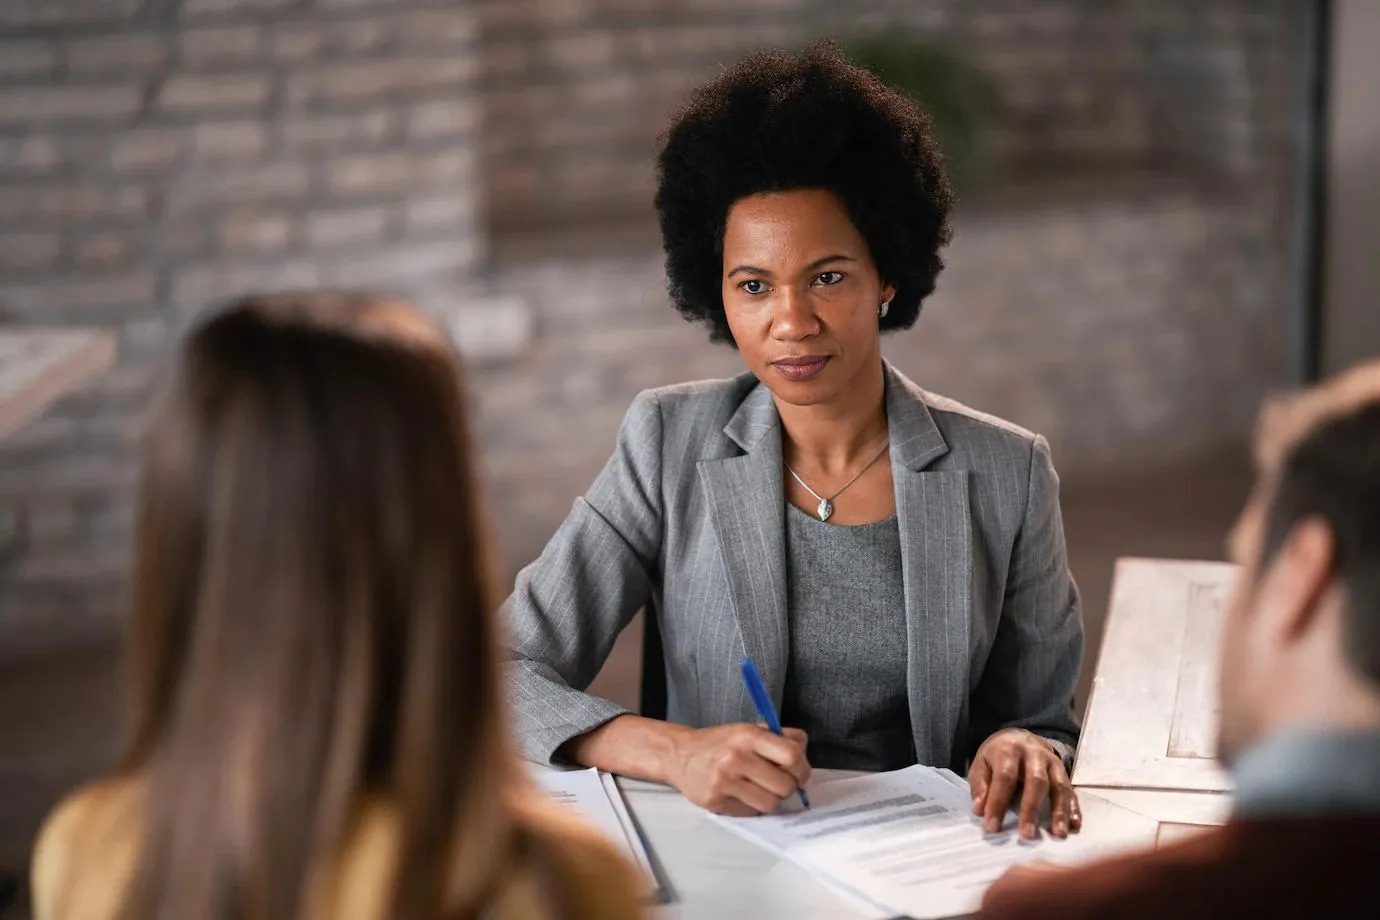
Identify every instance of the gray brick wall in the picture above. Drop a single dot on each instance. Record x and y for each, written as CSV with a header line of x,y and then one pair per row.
x,y
579,90
157,156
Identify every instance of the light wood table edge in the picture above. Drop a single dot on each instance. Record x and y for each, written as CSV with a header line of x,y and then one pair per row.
x,y
65,375
1205,777
1208,809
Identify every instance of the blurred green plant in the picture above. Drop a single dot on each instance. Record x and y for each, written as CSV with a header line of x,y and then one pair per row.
x,y
960,97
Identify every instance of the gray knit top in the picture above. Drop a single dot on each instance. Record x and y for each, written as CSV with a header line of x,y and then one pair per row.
x,y
846,677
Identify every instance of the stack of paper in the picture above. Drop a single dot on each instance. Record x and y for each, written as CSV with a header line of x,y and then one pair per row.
x,y
597,797
906,842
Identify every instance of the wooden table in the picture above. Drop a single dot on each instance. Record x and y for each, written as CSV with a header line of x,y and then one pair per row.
x,y
39,365
717,875
1150,733
1145,770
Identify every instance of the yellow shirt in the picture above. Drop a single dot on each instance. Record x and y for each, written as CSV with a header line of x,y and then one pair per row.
x,y
86,852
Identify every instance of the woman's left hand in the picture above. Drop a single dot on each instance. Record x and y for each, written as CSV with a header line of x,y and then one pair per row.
x,y
1013,760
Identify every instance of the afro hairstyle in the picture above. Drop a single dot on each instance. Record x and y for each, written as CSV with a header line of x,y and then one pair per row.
x,y
778,121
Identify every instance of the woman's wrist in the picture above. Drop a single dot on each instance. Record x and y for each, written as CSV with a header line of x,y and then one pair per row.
x,y
669,756
632,746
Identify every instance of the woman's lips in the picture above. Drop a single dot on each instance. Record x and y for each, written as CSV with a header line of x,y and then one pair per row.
x,y
801,368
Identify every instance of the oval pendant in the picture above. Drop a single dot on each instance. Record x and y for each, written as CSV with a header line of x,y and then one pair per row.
x,y
825,509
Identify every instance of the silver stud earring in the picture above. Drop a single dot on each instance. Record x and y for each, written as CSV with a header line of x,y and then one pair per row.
x,y
881,311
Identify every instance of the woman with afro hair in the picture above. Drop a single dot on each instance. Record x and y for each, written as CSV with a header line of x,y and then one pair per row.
x,y
892,561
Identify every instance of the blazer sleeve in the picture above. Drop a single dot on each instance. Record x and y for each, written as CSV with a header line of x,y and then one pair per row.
x,y
1030,676
569,605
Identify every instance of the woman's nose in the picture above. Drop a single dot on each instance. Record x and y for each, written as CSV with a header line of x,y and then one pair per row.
x,y
793,315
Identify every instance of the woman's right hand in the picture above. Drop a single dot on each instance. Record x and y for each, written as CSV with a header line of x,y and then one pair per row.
x,y
739,770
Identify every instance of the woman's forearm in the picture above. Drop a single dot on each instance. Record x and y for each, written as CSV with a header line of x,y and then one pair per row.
x,y
630,746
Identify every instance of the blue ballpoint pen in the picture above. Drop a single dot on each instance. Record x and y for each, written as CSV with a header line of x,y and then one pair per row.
x,y
758,691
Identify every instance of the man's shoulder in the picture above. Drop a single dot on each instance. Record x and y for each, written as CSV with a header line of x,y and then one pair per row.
x,y
1132,885
1273,869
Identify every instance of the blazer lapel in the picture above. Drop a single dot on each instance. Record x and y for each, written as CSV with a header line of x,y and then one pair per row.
x,y
748,515
936,564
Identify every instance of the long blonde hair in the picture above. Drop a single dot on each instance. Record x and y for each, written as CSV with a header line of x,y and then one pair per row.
x,y
313,617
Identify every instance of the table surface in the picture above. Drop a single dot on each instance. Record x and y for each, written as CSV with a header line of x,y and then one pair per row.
x,y
715,874
1152,714
1145,772
37,366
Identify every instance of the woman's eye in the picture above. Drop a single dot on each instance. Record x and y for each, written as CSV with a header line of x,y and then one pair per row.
x,y
754,286
829,278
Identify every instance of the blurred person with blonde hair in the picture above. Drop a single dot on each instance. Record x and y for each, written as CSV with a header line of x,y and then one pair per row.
x,y
1299,690
318,722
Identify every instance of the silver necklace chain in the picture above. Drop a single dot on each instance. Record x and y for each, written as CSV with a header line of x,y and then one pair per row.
x,y
826,505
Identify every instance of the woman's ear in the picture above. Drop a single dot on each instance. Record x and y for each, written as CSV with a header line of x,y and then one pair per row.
x,y
888,292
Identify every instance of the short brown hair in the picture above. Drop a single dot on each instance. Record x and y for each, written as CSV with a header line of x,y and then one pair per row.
x,y
1321,449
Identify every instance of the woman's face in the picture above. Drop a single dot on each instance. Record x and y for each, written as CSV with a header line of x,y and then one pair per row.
x,y
801,294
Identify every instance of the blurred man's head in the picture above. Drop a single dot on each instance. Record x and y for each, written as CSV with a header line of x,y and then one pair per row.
x,y
1301,644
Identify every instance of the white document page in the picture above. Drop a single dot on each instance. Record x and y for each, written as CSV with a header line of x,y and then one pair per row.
x,y
601,804
632,838
906,840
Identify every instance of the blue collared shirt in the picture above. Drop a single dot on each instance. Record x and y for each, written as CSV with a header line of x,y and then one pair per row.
x,y
1309,773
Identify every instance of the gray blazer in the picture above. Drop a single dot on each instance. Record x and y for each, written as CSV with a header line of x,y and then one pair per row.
x,y
688,519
